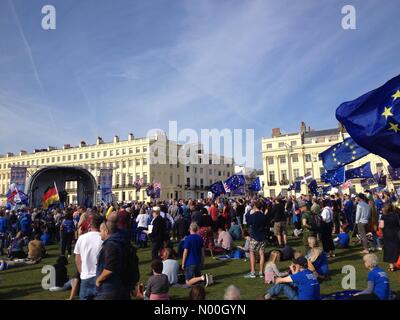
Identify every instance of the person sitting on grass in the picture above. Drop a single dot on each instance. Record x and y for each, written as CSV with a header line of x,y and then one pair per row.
x,y
232,293
63,282
197,292
170,266
378,281
36,249
157,286
224,242
301,284
16,249
235,230
317,259
10,264
343,239
193,258
271,270
246,246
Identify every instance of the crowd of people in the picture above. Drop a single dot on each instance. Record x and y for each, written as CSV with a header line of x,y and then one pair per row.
x,y
103,242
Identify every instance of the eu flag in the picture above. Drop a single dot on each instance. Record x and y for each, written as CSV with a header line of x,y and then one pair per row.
x,y
334,177
394,173
373,120
341,154
235,181
217,188
363,171
255,185
313,186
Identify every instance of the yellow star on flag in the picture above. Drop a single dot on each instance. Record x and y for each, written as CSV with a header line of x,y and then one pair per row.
x,y
388,112
396,95
394,127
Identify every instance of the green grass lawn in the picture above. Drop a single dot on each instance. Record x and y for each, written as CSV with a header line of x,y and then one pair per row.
x,y
25,282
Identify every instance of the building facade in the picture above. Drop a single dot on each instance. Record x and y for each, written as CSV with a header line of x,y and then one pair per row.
x,y
286,157
155,159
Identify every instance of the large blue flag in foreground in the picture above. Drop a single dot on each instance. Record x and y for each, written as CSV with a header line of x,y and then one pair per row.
x,y
334,177
341,154
373,120
255,185
363,171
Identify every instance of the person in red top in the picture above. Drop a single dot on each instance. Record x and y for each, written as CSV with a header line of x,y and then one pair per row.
x,y
214,216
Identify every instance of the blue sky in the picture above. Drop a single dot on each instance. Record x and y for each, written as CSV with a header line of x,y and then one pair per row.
x,y
114,67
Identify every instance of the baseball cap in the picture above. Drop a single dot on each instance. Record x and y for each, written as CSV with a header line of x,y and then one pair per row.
x,y
301,261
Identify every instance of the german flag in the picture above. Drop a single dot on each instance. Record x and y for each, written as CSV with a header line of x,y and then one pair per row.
x,y
50,196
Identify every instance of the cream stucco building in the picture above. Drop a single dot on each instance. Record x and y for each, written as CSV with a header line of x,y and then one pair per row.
x,y
286,157
155,159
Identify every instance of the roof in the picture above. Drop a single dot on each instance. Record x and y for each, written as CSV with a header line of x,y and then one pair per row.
x,y
320,133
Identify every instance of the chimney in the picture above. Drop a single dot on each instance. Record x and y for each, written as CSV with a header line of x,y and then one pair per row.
x,y
99,140
66,146
131,137
23,152
116,139
10,154
82,144
276,132
303,128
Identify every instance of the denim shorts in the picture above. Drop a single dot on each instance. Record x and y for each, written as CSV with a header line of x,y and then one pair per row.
x,y
192,272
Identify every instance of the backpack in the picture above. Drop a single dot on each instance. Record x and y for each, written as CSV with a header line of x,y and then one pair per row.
x,y
316,222
130,274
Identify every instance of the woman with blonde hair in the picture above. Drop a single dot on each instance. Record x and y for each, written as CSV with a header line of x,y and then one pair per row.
x,y
271,271
317,259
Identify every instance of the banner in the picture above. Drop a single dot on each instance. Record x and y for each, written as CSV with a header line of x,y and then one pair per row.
x,y
18,177
105,182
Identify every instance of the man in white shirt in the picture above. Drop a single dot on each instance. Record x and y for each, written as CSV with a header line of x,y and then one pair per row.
x,y
86,251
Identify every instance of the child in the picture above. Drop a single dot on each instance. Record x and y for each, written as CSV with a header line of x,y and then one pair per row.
x,y
343,239
246,247
271,271
63,282
157,285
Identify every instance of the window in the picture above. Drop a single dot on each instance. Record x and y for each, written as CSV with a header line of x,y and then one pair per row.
x,y
144,177
98,154
210,161
269,145
272,193
308,157
63,158
137,176
320,140
188,181
130,150
281,145
271,176
270,160
293,143
296,173
92,155
144,149
74,156
137,150
170,179
111,153
195,170
145,161
104,153
219,173
201,182
123,164
210,172
123,151
201,170
117,152
295,158
86,155
282,159
137,162
284,175
187,169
